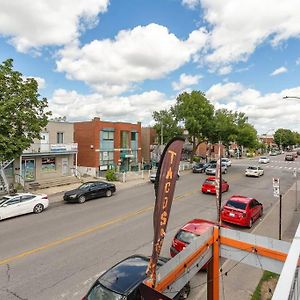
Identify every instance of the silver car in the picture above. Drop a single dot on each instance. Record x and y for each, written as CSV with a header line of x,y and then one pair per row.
x,y
211,170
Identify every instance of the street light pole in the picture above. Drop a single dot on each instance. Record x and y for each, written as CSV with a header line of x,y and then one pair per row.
x,y
290,97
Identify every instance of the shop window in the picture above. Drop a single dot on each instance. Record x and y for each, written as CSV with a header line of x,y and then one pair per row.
x,y
48,164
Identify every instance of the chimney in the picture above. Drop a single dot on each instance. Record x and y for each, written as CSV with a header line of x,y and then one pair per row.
x,y
96,119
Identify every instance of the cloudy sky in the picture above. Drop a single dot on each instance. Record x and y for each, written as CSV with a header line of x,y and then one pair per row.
x,y
121,60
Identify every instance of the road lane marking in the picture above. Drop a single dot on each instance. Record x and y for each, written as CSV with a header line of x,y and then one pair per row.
x,y
85,232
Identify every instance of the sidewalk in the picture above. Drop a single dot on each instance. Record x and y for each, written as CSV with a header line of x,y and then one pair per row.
x,y
243,279
53,192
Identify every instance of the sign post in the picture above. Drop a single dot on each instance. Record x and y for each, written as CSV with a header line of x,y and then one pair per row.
x,y
276,193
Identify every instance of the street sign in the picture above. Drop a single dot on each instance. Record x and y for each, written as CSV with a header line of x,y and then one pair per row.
x,y
276,187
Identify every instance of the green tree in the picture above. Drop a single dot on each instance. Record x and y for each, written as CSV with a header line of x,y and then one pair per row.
x,y
247,136
196,113
166,123
22,113
284,137
225,127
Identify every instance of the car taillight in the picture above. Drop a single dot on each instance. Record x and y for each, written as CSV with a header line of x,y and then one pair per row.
x,y
244,215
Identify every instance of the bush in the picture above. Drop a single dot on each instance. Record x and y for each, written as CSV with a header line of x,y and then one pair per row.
x,y
196,159
111,175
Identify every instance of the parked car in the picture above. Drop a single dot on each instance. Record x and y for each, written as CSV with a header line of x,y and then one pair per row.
x,y
22,203
289,157
122,281
264,160
209,186
227,161
199,168
90,190
188,233
152,176
255,171
241,210
211,170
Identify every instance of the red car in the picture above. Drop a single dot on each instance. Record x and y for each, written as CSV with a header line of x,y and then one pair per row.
x,y
241,210
188,233
209,185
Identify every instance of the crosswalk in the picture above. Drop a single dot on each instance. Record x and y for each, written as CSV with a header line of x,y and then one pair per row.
x,y
278,165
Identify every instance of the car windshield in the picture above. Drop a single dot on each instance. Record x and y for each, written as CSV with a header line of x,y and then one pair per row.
x,y
263,157
85,186
100,292
212,166
3,199
252,168
236,204
185,236
200,165
208,181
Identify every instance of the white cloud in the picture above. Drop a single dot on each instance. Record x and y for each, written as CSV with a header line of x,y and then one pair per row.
x,y
298,61
191,3
279,71
54,22
145,52
132,108
225,70
264,110
238,27
185,80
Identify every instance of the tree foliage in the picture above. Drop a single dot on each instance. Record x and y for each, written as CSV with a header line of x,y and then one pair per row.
x,y
22,113
166,124
196,114
285,137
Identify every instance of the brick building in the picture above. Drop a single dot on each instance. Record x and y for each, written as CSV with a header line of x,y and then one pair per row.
x,y
103,145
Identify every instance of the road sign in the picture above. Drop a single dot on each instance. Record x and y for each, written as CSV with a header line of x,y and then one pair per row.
x,y
276,187
276,191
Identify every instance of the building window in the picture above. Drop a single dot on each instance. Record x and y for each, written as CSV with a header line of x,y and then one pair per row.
x,y
59,137
48,164
108,135
124,139
106,158
133,136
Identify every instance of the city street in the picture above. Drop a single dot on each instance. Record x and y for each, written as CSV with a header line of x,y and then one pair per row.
x,y
59,253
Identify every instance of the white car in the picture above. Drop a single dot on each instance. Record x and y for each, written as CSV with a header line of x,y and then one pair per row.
x,y
22,203
264,160
226,161
152,176
254,171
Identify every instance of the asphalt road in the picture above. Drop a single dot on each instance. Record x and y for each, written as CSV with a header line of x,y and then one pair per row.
x,y
58,254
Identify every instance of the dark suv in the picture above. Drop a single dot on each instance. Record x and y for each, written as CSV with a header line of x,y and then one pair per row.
x,y
122,281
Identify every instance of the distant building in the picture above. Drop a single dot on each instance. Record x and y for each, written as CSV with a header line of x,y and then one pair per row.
x,y
53,156
103,145
207,150
267,140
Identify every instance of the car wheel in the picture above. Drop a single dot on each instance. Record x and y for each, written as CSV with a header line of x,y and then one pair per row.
x,y
81,199
261,213
108,193
38,208
250,223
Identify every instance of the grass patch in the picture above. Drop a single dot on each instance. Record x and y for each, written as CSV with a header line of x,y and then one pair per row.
x,y
260,292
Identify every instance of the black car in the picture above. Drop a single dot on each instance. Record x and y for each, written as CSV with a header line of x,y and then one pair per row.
x,y
90,190
199,168
122,281
290,157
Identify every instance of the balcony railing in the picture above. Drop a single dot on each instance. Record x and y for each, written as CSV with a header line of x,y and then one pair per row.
x,y
53,148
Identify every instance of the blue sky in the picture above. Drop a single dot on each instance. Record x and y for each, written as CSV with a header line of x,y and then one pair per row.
x,y
121,60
